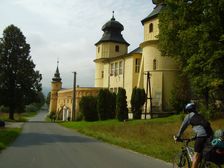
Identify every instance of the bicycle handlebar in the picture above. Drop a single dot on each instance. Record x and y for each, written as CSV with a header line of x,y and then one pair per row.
x,y
184,139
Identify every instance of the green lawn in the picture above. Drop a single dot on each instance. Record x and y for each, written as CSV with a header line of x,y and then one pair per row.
x,y
7,136
151,137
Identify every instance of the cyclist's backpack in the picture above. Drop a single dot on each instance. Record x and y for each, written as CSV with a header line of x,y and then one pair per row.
x,y
198,119
216,152
219,134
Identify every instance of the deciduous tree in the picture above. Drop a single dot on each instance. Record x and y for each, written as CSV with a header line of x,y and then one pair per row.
x,y
192,32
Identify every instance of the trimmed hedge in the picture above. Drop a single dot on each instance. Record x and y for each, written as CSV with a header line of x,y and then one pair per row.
x,y
121,105
88,108
138,99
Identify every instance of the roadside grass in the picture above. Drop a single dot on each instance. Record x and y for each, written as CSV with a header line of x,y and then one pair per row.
x,y
7,136
19,117
151,137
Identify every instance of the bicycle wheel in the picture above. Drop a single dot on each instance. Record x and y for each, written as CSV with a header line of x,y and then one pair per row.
x,y
207,164
181,161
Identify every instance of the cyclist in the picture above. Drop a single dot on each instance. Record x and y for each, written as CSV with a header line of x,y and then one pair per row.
x,y
200,126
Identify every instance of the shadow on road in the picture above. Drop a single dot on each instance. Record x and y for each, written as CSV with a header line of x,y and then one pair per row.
x,y
32,139
42,133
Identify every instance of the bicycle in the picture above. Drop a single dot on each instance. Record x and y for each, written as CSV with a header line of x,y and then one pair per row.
x,y
184,158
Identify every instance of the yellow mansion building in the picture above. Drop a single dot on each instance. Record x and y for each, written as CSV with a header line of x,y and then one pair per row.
x,y
116,67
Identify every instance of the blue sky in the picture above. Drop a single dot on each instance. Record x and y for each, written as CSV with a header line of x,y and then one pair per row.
x,y
68,29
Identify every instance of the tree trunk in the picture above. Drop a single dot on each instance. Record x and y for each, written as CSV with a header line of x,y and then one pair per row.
x,y
11,113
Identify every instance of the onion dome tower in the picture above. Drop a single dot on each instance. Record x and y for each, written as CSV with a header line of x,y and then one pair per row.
x,y
112,32
55,87
111,44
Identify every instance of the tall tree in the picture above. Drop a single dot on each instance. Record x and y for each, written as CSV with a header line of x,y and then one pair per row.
x,y
192,31
18,79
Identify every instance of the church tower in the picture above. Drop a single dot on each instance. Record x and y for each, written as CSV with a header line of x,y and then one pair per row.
x,y
56,85
162,69
111,45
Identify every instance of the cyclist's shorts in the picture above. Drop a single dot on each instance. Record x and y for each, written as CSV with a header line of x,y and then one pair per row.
x,y
200,144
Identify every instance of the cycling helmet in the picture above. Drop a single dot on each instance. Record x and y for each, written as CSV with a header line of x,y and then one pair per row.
x,y
190,107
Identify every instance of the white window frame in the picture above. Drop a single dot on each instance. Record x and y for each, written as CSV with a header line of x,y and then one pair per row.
x,y
120,67
137,65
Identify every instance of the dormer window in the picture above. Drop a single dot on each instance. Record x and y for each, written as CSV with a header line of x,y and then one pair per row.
x,y
150,27
117,49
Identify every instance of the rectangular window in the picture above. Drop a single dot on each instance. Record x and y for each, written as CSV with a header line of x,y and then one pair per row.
x,y
98,49
116,68
120,68
137,65
112,69
102,74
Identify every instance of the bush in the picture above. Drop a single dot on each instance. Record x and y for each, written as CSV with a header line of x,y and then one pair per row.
x,y
106,104
88,109
138,98
32,107
4,109
112,105
121,105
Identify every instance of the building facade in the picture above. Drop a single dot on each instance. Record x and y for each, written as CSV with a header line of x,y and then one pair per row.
x,y
116,67
61,101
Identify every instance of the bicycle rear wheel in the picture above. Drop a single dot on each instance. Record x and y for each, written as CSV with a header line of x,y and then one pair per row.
x,y
207,164
181,160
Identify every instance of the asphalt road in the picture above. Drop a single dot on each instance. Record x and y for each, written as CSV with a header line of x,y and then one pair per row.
x,y
48,145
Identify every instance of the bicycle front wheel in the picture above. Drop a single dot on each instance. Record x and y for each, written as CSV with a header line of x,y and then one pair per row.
x,y
181,160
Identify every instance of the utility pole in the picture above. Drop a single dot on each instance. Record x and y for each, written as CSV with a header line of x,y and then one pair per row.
x,y
74,98
148,90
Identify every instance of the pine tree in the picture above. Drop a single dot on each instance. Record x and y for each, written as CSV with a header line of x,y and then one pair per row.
x,y
18,80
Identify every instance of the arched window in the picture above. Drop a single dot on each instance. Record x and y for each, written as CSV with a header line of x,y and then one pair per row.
x,y
150,27
154,64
